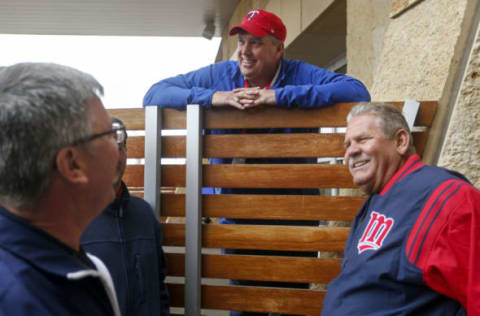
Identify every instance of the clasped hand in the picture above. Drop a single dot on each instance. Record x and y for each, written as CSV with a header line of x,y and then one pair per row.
x,y
244,98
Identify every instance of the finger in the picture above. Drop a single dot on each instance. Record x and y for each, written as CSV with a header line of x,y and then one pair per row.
x,y
237,103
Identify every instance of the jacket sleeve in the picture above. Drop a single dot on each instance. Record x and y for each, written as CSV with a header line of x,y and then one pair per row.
x,y
176,92
449,260
162,272
316,87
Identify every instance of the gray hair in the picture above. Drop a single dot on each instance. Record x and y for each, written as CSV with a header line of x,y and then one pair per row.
x,y
43,107
390,119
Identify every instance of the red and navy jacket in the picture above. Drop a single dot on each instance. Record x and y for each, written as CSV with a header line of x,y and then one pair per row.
x,y
414,248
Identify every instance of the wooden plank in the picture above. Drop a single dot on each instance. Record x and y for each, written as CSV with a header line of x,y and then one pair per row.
x,y
263,299
176,292
259,176
269,116
274,145
174,119
173,175
173,146
254,299
287,207
267,237
277,176
133,118
133,176
136,147
260,268
420,141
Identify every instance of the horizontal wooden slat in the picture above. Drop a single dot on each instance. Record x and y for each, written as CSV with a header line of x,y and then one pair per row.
x,y
254,299
133,176
253,176
274,145
304,238
260,268
269,116
226,117
172,175
133,118
287,207
263,300
136,147
174,119
259,145
277,176
173,146
177,295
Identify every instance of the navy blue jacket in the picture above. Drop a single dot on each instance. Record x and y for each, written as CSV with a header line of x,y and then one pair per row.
x,y
42,276
128,238
413,248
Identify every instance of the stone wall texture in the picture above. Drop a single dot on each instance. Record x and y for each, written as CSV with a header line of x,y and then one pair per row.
x,y
367,22
461,150
418,50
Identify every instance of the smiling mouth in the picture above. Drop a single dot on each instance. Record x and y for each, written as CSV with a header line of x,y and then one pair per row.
x,y
248,63
358,164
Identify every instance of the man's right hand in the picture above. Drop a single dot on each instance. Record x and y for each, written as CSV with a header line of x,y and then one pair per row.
x,y
227,98
241,98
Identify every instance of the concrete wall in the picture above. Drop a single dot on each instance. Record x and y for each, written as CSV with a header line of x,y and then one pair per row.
x,y
419,54
367,21
461,150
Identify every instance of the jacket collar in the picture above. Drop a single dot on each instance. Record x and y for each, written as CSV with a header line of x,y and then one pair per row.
x,y
413,163
38,248
279,78
119,205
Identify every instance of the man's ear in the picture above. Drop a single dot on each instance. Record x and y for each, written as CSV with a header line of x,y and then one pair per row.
x,y
71,166
281,48
402,138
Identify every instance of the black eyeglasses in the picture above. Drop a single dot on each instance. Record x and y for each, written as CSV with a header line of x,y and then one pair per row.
x,y
119,133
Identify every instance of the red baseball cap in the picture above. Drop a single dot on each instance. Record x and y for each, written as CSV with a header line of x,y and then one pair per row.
x,y
261,23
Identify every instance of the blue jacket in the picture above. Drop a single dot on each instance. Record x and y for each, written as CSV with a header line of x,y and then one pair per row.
x,y
299,84
42,276
413,248
128,238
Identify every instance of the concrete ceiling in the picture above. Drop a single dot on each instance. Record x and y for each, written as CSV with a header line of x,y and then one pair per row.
x,y
323,43
114,17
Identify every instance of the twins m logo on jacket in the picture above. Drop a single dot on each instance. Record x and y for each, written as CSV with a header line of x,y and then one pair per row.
x,y
375,233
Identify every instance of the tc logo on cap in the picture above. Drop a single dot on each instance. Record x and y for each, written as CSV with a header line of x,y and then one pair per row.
x,y
252,14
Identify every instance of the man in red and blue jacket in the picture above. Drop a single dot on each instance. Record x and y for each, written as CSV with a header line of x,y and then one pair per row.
x,y
414,246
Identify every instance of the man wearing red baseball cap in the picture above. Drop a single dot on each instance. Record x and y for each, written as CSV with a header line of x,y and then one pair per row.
x,y
260,76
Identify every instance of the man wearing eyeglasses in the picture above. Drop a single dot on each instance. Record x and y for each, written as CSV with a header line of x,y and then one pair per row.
x,y
56,147
128,238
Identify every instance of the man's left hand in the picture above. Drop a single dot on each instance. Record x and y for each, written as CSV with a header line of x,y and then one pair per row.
x,y
252,97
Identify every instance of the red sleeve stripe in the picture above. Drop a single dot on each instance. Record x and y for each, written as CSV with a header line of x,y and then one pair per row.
x,y
431,220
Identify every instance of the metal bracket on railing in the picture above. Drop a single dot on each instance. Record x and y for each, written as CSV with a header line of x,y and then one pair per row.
x,y
410,110
193,207
153,151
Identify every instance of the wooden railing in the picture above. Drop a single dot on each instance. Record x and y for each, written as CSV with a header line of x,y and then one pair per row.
x,y
214,265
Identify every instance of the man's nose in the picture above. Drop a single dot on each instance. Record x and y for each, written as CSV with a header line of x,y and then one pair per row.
x,y
351,151
245,49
